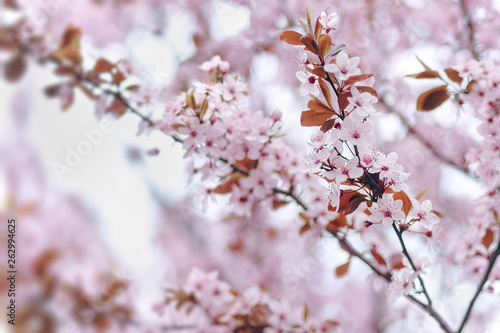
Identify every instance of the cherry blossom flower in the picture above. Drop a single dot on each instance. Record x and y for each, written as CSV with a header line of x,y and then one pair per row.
x,y
357,132
215,64
423,213
309,83
260,182
233,88
362,103
329,22
387,210
342,171
345,67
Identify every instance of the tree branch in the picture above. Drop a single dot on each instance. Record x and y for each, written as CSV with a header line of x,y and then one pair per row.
x,y
492,261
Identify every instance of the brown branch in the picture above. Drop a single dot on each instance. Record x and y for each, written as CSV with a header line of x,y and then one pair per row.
x,y
492,261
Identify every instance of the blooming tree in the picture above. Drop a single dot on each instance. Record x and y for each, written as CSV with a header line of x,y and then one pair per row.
x,y
359,229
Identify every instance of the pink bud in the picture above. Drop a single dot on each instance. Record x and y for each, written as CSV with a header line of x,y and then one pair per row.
x,y
276,115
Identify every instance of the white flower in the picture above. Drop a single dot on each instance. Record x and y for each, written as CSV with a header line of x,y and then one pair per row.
x,y
309,83
345,66
329,22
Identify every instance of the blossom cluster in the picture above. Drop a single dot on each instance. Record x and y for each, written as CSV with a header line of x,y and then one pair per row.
x,y
219,308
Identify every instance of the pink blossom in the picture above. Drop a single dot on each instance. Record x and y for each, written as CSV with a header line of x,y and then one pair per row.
x,y
387,210
329,22
344,67
423,213
215,64
362,103
309,83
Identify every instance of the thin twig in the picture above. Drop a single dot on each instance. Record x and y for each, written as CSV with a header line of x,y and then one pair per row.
x,y
492,261
407,255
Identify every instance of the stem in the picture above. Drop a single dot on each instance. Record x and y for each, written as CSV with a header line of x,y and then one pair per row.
x,y
492,261
352,251
407,255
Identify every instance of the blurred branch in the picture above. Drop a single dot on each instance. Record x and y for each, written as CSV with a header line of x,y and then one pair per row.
x,y
470,28
492,261
426,142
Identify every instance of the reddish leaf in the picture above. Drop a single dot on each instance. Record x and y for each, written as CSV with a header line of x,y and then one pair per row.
x,y
52,90
279,203
339,222
15,67
65,70
342,269
433,98
319,71
309,43
312,118
309,18
425,75
488,238
319,107
291,37
401,195
453,75
118,77
324,44
305,217
343,102
378,257
325,89
354,204
427,68
356,78
118,108
102,65
468,89
327,125
367,89
350,200
227,186
420,194
246,164
305,228
397,261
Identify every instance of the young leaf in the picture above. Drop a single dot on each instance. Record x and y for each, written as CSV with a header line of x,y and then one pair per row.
x,y
312,118
15,67
356,78
291,37
377,256
118,108
427,68
420,194
425,75
309,43
102,65
368,90
431,99
488,238
401,195
325,90
327,125
324,44
342,269
318,106
453,75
